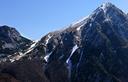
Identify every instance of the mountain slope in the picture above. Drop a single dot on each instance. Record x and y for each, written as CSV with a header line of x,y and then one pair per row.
x,y
93,49
14,47
11,43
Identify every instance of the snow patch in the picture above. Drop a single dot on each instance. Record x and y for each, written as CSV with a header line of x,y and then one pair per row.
x,y
47,56
48,39
31,47
69,61
73,50
79,21
78,28
12,60
17,57
105,6
20,54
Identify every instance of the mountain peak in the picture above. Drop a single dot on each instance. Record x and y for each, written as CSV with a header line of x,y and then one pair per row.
x,y
5,27
9,32
107,6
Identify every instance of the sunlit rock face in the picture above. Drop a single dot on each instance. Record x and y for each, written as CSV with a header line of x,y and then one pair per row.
x,y
93,49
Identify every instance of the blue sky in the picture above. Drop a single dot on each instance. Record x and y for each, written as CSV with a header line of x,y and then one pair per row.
x,y
35,18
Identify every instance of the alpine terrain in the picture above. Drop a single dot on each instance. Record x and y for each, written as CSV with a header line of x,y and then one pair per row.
x,y
93,49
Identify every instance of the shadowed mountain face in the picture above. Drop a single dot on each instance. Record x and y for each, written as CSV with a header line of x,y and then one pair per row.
x,y
93,49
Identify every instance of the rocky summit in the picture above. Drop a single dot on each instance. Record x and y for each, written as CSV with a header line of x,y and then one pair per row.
x,y
93,49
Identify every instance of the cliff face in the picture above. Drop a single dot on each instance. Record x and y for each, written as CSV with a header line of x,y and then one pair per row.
x,y
93,49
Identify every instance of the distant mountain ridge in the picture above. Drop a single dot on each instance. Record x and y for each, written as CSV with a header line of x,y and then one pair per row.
x,y
93,49
11,42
